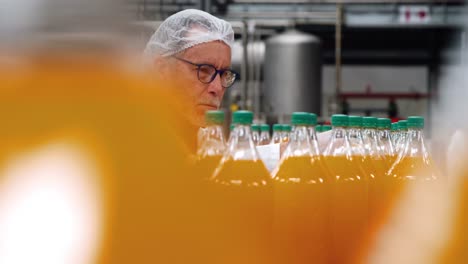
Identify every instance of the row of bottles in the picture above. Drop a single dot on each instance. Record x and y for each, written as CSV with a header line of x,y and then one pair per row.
x,y
261,132
316,206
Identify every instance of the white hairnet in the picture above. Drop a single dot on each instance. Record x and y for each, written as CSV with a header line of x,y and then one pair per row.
x,y
186,29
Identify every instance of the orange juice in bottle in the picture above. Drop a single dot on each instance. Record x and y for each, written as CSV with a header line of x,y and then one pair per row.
x,y
212,146
243,204
371,144
302,207
358,149
384,184
349,203
377,159
414,162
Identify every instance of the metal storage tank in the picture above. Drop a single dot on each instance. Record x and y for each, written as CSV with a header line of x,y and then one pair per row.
x,y
292,72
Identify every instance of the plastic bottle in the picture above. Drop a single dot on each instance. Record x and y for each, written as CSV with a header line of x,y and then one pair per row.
x,y
312,130
244,204
301,191
256,133
402,135
349,209
371,145
394,136
384,140
213,144
364,155
355,137
286,133
277,133
414,162
264,135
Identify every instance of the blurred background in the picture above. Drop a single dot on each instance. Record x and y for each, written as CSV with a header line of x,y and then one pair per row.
x,y
375,57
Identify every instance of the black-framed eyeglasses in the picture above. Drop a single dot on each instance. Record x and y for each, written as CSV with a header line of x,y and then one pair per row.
x,y
206,73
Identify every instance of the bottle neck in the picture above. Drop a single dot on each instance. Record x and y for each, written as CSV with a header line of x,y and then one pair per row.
x,y
300,143
414,145
312,132
339,142
339,133
213,142
384,134
369,132
241,145
369,137
385,142
355,134
264,138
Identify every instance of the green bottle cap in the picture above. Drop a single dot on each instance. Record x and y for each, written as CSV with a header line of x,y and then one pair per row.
x,y
369,122
265,127
277,127
415,122
256,127
384,123
314,119
395,126
287,127
339,120
326,128
355,121
318,128
242,117
301,119
214,117
402,124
